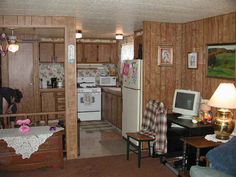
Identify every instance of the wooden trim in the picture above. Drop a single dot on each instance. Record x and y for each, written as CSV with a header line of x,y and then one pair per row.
x,y
33,114
69,26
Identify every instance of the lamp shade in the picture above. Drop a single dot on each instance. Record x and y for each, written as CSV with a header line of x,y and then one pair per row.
x,y
224,96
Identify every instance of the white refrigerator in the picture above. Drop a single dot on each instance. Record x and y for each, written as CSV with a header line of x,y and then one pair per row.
x,y
132,96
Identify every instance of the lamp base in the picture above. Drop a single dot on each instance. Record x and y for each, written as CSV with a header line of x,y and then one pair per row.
x,y
223,124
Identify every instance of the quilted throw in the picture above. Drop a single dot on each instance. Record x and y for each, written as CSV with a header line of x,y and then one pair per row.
x,y
155,125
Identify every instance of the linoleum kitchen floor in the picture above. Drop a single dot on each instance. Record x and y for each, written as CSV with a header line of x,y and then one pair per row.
x,y
100,138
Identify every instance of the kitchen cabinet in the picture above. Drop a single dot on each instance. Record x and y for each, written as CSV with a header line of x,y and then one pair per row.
x,y
59,52
53,100
90,53
51,52
97,53
112,107
114,54
79,53
104,53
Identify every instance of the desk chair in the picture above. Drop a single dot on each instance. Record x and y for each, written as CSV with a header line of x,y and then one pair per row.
x,y
154,128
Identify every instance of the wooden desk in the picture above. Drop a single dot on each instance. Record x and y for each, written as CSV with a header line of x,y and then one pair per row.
x,y
175,134
197,142
190,126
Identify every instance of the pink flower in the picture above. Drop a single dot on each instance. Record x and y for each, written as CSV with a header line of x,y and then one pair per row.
x,y
23,122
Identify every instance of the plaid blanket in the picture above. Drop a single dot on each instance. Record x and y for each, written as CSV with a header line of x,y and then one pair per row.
x,y
155,125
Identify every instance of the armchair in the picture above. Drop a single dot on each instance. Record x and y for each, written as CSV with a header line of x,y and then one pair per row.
x,y
222,162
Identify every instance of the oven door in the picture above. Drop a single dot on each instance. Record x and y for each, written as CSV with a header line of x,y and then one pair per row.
x,y
89,102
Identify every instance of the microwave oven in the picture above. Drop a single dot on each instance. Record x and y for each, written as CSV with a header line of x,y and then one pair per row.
x,y
108,81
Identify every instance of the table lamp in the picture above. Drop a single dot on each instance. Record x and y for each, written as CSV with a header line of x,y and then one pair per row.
x,y
224,98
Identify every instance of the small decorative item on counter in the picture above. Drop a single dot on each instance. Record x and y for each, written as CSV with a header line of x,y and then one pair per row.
x,y
196,120
24,125
205,112
206,117
59,83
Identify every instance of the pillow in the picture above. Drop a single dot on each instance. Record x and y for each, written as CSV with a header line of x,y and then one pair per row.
x,y
223,157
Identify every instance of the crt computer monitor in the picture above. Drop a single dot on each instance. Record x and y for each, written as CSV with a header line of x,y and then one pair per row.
x,y
186,102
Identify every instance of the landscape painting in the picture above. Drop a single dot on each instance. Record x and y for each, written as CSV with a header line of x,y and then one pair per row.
x,y
221,61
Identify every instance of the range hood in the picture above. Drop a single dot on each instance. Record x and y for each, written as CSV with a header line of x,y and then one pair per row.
x,y
90,66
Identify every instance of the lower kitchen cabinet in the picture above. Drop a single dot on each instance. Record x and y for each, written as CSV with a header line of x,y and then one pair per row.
x,y
52,100
112,108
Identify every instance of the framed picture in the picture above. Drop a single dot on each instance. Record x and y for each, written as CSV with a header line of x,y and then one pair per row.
x,y
165,56
221,60
192,60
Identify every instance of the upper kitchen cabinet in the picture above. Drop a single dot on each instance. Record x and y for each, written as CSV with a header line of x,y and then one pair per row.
x,y
51,52
114,53
104,53
79,53
97,53
138,43
59,52
90,53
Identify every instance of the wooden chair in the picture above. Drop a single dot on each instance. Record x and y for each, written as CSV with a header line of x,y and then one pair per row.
x,y
140,138
154,114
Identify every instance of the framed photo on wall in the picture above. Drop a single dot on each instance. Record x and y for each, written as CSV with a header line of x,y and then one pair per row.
x,y
165,55
221,60
192,60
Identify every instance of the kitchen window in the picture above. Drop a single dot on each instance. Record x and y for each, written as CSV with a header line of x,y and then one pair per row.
x,y
127,51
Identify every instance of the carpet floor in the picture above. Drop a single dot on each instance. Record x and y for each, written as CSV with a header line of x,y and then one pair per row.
x,y
109,166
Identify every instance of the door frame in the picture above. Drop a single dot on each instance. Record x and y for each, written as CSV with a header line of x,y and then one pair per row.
x,y
69,26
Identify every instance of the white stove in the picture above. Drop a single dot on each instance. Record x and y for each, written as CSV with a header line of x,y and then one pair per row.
x,y
89,99
89,90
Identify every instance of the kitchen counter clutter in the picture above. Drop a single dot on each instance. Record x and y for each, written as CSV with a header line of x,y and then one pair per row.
x,y
112,105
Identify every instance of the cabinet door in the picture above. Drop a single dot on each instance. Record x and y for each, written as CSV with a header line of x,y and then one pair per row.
x,y
60,103
60,52
119,112
48,103
103,105
21,71
104,53
79,52
114,54
107,107
114,113
90,53
46,52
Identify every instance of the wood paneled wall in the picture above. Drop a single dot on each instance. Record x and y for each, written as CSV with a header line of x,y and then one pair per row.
x,y
160,82
69,24
197,34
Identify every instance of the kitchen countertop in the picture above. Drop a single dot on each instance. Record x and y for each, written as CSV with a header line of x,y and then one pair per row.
x,y
112,90
51,89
